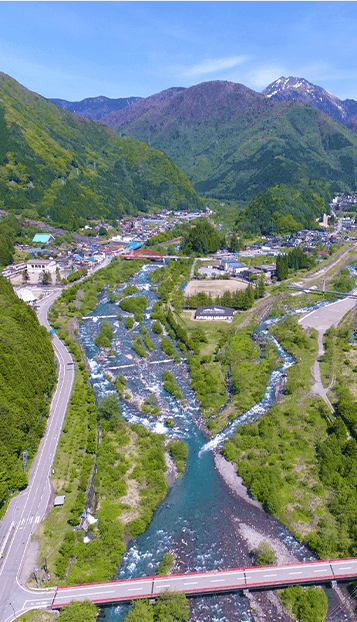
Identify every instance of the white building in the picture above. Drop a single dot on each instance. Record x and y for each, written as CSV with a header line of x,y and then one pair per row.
x,y
36,267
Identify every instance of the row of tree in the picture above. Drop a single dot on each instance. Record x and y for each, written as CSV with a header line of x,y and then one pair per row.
x,y
27,377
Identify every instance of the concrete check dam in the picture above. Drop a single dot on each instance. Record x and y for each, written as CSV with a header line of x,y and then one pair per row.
x,y
253,578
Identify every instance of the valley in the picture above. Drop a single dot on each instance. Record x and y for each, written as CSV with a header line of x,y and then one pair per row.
x,y
221,444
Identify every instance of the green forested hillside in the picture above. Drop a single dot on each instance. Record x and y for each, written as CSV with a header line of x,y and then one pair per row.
x,y
234,143
69,168
27,376
284,209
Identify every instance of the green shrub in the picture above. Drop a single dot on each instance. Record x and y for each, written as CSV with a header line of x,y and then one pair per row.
x,y
129,323
167,347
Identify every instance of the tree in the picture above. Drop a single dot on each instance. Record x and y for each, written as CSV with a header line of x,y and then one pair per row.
x,y
25,276
141,612
83,611
265,555
282,270
261,286
109,408
201,239
45,277
172,606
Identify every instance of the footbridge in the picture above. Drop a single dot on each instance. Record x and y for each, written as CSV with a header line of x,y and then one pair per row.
x,y
199,583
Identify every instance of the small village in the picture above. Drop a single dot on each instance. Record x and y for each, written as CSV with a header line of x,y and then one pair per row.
x,y
46,263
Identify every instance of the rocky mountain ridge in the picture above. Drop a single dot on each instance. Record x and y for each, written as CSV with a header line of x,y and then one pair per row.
x,y
299,89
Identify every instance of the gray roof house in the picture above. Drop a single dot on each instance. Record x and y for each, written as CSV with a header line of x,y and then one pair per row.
x,y
214,312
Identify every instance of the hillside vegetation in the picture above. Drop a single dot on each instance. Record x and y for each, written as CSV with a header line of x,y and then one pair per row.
x,y
234,143
69,168
27,376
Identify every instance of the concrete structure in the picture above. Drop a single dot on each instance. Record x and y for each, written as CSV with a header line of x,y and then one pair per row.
x,y
59,500
36,267
214,312
14,270
210,582
26,295
233,266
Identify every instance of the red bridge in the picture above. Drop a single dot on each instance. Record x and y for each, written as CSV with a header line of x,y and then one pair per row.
x,y
141,253
255,578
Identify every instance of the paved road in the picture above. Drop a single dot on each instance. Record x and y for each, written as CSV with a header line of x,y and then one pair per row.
x,y
206,582
30,507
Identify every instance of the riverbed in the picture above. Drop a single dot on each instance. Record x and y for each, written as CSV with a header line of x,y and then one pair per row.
x,y
208,519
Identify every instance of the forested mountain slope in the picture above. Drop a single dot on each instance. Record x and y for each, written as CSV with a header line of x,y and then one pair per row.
x,y
234,143
70,168
27,376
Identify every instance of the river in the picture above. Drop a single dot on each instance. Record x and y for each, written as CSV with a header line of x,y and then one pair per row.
x,y
201,520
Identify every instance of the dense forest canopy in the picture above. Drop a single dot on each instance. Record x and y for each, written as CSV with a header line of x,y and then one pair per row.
x,y
201,239
284,209
68,168
27,376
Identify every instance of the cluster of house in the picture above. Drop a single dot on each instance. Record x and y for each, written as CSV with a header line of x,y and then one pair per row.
x,y
309,240
51,265
142,228
342,200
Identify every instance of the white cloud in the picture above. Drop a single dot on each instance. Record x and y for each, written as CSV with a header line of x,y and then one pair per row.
x,y
263,75
213,66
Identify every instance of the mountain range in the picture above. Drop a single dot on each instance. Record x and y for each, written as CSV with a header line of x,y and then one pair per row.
x,y
217,139
67,168
282,89
234,143
95,108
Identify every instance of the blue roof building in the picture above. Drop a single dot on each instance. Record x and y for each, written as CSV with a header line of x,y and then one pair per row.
x,y
43,238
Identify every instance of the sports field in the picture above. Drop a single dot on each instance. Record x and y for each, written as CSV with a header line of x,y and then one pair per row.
x,y
213,287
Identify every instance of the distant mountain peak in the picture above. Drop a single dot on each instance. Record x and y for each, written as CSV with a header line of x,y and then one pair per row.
x,y
302,90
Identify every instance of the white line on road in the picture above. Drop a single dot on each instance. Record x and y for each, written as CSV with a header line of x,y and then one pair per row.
x,y
346,568
159,587
217,580
135,589
192,583
270,575
295,572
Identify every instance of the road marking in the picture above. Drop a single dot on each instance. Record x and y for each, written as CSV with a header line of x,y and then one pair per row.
x,y
346,568
38,518
295,572
158,587
135,589
322,570
192,583
217,580
270,575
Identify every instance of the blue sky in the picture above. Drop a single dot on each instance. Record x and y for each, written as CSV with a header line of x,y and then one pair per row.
x,y
74,50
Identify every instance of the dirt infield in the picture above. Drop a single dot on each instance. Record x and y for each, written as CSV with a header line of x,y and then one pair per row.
x,y
213,287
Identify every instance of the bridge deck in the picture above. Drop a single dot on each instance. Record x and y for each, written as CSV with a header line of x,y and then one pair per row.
x,y
209,582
